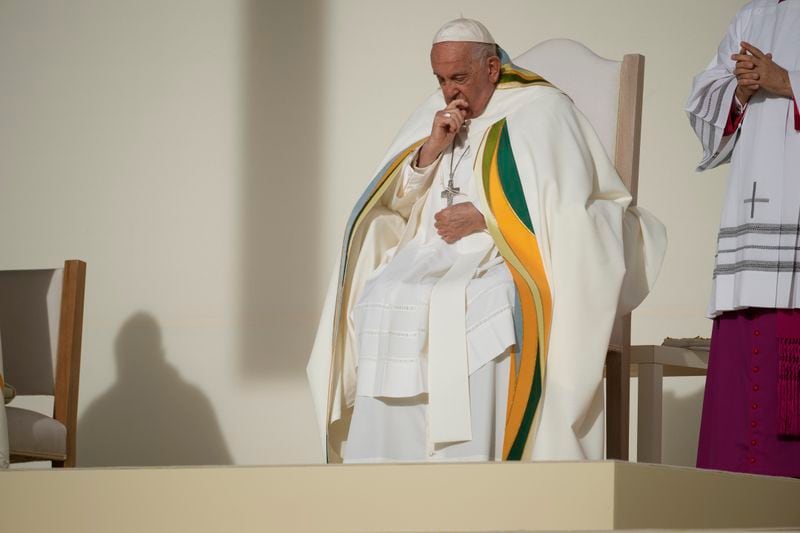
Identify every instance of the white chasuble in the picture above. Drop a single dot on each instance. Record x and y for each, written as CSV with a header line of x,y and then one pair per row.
x,y
389,322
599,254
759,237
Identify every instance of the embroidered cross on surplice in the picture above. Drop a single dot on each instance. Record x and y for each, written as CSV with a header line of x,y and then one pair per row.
x,y
753,201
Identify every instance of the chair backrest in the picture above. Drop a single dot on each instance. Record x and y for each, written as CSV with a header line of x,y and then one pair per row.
x,y
30,311
41,325
609,93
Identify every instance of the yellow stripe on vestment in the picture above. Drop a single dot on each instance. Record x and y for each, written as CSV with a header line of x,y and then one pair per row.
x,y
519,247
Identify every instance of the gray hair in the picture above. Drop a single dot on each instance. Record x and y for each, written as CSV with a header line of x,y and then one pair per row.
x,y
483,51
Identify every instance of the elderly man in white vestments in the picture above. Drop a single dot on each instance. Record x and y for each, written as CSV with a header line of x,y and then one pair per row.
x,y
480,277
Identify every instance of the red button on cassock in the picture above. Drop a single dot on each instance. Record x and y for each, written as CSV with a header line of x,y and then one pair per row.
x,y
753,424
755,370
756,388
757,333
753,442
755,406
752,460
756,351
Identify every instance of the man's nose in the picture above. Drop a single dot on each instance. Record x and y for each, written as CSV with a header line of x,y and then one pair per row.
x,y
450,91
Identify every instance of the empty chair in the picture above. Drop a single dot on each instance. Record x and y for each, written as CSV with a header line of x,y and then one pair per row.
x,y
41,321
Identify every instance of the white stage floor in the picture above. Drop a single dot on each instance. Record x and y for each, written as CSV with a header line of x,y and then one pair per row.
x,y
599,496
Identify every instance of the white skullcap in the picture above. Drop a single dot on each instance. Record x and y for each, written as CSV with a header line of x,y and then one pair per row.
x,y
463,30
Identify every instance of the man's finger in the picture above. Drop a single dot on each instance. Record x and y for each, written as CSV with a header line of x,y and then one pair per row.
x,y
456,115
458,103
445,123
747,75
449,121
753,50
443,119
453,112
745,65
755,61
447,114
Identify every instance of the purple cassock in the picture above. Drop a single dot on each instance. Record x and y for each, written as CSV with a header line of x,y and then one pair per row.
x,y
751,409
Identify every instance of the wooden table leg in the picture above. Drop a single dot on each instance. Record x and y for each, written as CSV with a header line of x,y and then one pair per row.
x,y
648,432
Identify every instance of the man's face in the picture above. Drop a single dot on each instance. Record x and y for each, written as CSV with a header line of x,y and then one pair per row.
x,y
464,76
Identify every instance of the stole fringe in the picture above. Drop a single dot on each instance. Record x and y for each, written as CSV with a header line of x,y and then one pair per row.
x,y
789,386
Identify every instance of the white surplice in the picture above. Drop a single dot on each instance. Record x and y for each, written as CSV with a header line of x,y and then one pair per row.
x,y
759,237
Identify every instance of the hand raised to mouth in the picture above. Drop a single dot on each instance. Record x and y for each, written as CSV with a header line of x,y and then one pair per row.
x,y
446,124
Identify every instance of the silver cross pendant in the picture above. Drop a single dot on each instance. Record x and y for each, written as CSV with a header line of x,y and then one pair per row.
x,y
450,192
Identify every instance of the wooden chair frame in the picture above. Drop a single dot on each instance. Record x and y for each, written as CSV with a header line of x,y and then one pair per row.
x,y
68,360
626,161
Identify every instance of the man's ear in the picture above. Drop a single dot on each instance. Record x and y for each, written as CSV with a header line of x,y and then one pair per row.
x,y
494,68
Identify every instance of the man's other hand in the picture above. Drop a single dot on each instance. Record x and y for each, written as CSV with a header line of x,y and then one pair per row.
x,y
457,221
766,74
744,71
446,124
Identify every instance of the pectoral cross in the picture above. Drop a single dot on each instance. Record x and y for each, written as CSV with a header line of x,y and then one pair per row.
x,y
450,192
753,200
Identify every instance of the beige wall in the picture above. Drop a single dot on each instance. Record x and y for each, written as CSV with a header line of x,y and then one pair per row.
x,y
202,157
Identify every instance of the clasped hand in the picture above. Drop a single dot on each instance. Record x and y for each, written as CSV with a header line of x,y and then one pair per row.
x,y
457,221
756,70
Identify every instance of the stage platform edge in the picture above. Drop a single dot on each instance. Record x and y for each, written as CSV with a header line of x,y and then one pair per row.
x,y
557,496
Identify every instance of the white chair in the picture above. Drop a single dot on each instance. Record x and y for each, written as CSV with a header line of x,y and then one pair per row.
x,y
41,323
609,93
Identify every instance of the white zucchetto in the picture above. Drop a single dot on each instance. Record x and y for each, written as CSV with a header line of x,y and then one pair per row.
x,y
463,30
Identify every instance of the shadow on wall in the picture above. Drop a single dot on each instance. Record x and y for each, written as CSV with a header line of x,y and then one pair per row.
x,y
150,416
283,88
681,424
